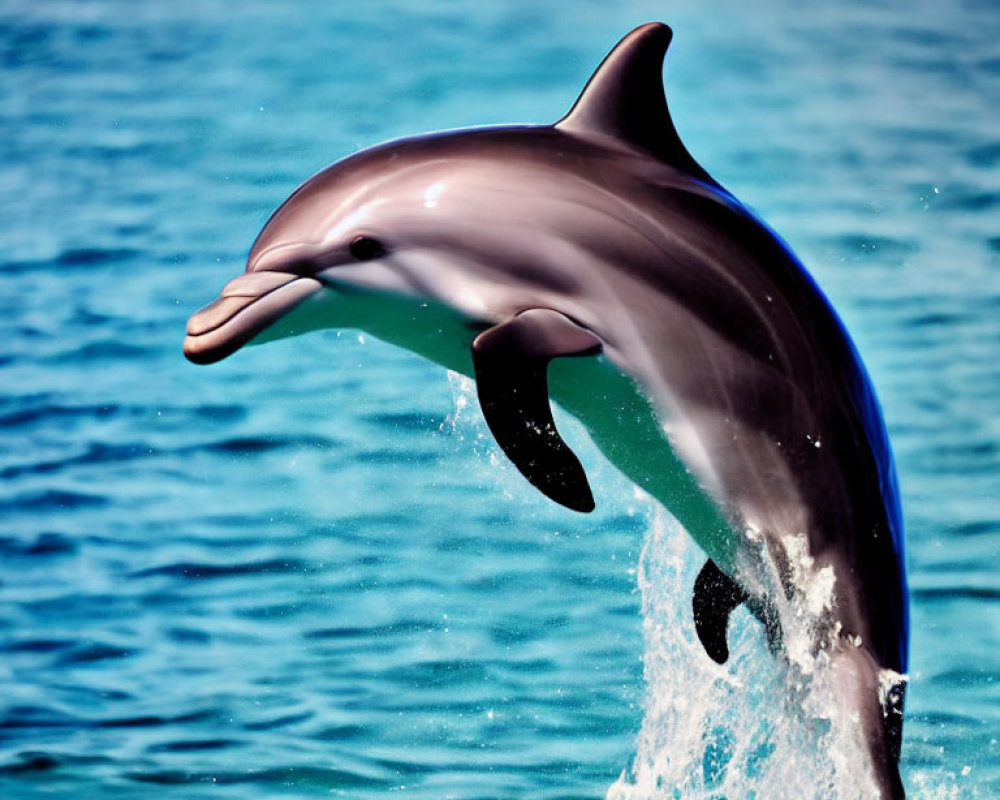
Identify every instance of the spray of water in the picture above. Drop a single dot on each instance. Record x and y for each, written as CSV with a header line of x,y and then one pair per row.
x,y
466,422
759,726
763,726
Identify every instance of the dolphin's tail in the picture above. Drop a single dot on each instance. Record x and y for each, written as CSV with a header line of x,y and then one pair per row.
x,y
874,697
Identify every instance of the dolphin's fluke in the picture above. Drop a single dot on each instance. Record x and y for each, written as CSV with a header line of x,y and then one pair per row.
x,y
624,99
511,361
716,595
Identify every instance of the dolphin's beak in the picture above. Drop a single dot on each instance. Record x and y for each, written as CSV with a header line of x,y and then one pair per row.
x,y
248,305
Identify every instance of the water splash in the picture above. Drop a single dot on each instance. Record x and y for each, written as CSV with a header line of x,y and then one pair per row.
x,y
463,393
466,422
757,727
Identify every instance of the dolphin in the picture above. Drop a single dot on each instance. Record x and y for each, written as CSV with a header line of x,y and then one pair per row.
x,y
596,264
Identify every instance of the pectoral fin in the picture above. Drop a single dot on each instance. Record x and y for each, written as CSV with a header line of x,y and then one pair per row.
x,y
511,363
716,595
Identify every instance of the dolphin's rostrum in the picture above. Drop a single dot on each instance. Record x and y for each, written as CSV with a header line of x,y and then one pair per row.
x,y
594,261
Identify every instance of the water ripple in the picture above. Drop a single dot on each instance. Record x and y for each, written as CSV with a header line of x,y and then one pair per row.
x,y
300,776
45,544
46,412
93,652
96,453
940,593
400,628
87,257
203,571
194,745
278,722
27,762
53,499
249,445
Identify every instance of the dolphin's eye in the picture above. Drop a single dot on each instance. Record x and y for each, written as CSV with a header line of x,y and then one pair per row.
x,y
365,248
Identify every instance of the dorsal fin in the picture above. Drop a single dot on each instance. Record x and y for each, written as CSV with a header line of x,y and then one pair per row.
x,y
624,99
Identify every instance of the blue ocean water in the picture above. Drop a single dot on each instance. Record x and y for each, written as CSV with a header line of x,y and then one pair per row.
x,y
306,570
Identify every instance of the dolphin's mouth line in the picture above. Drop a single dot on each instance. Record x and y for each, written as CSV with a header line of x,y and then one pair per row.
x,y
248,304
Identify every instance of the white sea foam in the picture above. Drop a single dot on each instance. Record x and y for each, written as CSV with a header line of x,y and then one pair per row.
x,y
757,727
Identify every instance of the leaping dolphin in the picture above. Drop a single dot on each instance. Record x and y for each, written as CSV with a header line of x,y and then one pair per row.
x,y
595,262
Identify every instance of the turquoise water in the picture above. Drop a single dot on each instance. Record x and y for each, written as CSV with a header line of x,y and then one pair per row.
x,y
306,571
